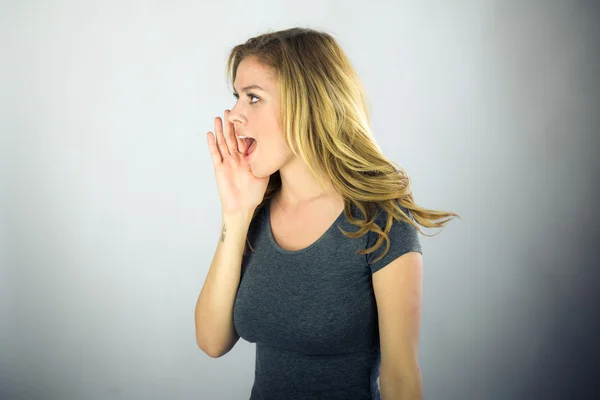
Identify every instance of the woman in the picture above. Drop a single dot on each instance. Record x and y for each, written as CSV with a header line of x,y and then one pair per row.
x,y
305,187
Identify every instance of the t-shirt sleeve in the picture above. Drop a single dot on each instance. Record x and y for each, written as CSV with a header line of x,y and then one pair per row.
x,y
404,238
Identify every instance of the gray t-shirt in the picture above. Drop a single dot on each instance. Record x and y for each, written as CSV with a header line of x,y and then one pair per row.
x,y
312,312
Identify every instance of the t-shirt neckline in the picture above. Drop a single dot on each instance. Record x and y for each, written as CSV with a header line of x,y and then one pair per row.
x,y
309,247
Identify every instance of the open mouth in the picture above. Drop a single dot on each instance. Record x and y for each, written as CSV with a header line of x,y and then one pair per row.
x,y
250,146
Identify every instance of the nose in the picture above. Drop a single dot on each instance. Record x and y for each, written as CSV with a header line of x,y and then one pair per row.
x,y
235,118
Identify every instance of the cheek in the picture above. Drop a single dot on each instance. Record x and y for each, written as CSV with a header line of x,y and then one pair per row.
x,y
275,147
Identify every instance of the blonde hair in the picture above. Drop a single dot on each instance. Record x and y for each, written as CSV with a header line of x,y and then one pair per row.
x,y
326,123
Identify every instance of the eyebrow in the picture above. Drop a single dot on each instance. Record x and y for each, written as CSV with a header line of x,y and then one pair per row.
x,y
245,89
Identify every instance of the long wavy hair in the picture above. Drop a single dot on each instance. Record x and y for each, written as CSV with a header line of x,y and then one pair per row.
x,y
326,123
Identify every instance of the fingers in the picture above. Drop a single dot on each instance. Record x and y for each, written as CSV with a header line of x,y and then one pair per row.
x,y
214,151
230,138
241,143
221,143
238,145
224,144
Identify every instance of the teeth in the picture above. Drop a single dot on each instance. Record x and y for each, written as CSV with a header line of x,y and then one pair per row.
x,y
242,137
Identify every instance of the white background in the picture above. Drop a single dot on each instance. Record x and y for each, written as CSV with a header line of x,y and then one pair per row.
x,y
110,213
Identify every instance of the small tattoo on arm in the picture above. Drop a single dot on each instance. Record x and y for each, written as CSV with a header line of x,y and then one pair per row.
x,y
223,234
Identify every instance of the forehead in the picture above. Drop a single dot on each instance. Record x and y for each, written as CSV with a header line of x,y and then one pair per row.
x,y
252,72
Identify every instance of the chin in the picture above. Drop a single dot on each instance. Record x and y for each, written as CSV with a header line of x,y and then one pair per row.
x,y
261,174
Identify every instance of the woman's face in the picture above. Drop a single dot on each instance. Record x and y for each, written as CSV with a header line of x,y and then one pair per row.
x,y
256,114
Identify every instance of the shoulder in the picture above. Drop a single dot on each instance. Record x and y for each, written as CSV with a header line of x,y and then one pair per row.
x,y
402,238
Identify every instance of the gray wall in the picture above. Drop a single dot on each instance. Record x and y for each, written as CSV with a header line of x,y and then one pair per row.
x,y
110,214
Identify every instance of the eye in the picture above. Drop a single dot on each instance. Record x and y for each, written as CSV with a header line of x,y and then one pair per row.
x,y
249,95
